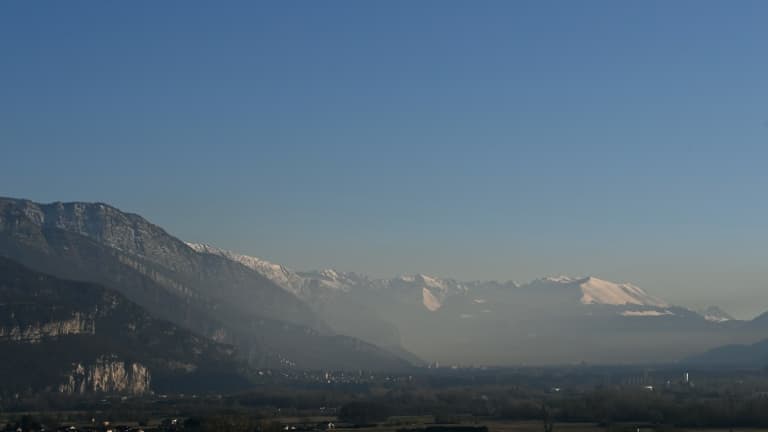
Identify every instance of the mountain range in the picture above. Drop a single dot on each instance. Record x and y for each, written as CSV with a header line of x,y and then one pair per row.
x,y
557,319
275,317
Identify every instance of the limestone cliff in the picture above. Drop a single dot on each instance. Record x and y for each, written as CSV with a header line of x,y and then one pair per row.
x,y
107,375
36,332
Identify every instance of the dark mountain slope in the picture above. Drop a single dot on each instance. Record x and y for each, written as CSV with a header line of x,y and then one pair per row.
x,y
746,356
77,337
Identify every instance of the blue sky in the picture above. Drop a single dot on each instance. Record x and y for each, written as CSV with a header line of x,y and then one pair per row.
x,y
477,140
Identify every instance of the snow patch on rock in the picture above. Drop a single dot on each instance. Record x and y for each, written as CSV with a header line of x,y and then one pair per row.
x,y
429,300
646,313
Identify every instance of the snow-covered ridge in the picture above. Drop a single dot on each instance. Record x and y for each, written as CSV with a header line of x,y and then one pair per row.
x,y
278,274
308,286
433,292
323,284
559,279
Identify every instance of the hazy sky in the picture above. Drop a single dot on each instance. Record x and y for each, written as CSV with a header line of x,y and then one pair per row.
x,y
477,140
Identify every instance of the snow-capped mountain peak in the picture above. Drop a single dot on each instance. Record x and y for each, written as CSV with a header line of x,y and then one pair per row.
x,y
598,291
434,291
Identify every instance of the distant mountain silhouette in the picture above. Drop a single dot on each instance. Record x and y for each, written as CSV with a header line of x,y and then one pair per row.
x,y
749,356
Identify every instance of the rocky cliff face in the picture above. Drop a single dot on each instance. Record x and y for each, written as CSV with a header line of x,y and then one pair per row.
x,y
38,331
105,224
107,375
